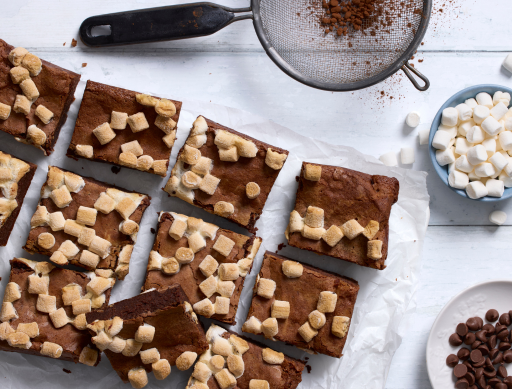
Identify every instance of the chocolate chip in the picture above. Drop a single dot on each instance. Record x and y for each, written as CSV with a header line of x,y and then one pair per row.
x,y
493,382
500,327
493,353
505,319
470,338
489,328
508,381
480,322
479,364
504,346
501,385
492,341
462,384
479,373
473,324
488,364
469,366
455,340
484,349
502,371
452,360
482,336
507,356
492,315
481,382
475,344
470,377
463,353
460,370
498,359
503,334
462,329
488,373
475,356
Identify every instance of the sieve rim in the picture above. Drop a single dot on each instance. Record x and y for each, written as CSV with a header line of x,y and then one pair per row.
x,y
334,86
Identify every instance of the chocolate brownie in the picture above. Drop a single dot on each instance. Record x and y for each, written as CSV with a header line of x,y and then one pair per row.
x,y
148,332
43,310
343,213
86,222
235,361
56,88
151,143
225,172
301,305
209,263
15,178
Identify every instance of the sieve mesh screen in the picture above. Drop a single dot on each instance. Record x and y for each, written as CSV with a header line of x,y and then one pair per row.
x,y
293,28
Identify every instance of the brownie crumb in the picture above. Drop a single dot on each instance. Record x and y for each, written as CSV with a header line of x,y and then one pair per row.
x,y
115,169
64,44
308,368
297,178
153,231
84,64
281,246
66,371
74,43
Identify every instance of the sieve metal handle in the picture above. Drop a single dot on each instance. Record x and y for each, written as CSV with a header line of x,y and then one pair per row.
x,y
406,67
159,24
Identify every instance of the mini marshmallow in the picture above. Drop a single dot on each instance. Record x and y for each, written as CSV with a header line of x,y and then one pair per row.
x,y
280,309
471,103
507,181
501,97
266,288
462,146
312,172
451,167
458,180
22,105
184,255
505,139
450,116
252,190
485,169
475,135
258,384
445,157
225,379
149,356
229,272
88,356
12,292
221,346
270,327
307,332
225,288
133,147
499,161
476,190
498,217
477,154
484,99
508,123
327,302
204,308
46,303
146,99
340,326
138,377
450,130
85,151
16,55
441,140
145,333
413,119
52,350
490,146
499,111
221,305
252,326
5,111
46,240
465,112
118,120
292,269
19,74
389,159
104,133
19,339
314,217
32,63
203,166
44,114
144,162
423,136
333,235
167,125
29,89
161,369
351,229
495,188
407,155
165,108
491,126
209,185
137,122
208,266
316,319
465,127
480,113
223,245
186,360
274,159
209,286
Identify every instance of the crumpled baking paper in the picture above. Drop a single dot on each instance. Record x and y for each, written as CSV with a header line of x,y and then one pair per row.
x,y
384,298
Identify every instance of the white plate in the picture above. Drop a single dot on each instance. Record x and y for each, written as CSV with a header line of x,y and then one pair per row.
x,y
474,301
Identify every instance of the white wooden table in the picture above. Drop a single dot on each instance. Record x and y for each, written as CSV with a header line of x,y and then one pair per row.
x,y
464,46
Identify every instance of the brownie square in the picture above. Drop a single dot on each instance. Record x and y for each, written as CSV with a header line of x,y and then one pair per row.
x,y
259,363
210,142
72,337
57,91
98,103
344,195
163,268
16,178
302,292
116,215
176,329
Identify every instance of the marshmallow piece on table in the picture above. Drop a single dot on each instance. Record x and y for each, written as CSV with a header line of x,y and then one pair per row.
x,y
423,136
477,154
413,119
498,217
407,155
471,103
505,139
484,99
485,169
480,113
450,116
499,161
499,111
389,159
491,126
445,157
462,146
458,180
475,135
465,112
465,127
495,188
463,164
476,190
441,140
490,146
507,63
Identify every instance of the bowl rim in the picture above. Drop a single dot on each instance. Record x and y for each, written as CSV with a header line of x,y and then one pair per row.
x,y
442,170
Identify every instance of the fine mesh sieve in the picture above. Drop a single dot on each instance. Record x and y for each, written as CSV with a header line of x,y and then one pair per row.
x,y
292,35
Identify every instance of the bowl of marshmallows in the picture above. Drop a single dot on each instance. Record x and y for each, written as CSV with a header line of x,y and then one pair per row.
x,y
471,143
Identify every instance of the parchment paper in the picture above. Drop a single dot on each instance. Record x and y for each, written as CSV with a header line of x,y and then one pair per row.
x,y
384,299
